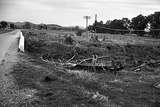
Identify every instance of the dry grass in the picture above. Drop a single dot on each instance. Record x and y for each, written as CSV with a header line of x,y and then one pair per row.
x,y
127,39
57,86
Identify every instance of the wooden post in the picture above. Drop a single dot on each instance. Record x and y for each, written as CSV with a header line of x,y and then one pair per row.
x,y
21,42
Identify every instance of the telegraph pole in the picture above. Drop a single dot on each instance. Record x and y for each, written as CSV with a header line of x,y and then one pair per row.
x,y
95,22
95,17
87,18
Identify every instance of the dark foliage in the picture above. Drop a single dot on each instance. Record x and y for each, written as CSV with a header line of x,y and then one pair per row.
x,y
68,40
139,23
79,32
154,20
12,26
136,25
3,24
27,25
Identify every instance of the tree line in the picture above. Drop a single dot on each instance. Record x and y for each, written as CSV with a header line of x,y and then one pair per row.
x,y
139,25
24,25
29,25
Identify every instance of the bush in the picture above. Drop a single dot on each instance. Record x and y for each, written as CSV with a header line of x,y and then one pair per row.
x,y
79,32
68,40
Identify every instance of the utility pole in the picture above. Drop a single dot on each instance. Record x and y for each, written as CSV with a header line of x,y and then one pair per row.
x,y
95,17
87,18
95,22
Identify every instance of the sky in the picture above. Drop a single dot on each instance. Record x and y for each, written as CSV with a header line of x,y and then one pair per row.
x,y
71,12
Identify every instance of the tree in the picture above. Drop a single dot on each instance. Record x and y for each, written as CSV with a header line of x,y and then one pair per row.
x,y
0,26
108,22
4,24
154,21
68,40
12,26
27,25
139,23
112,27
126,22
76,28
118,26
42,26
98,27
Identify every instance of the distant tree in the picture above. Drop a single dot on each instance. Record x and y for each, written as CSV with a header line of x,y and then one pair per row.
x,y
119,25
12,26
68,40
0,26
42,26
139,23
108,22
98,27
126,22
4,24
27,25
90,28
116,24
79,32
76,28
154,21
101,22
111,26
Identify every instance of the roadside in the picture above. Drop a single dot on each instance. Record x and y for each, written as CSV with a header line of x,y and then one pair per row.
x,y
30,81
6,40
10,94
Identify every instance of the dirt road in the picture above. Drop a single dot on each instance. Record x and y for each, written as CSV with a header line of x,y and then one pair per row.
x,y
9,92
5,42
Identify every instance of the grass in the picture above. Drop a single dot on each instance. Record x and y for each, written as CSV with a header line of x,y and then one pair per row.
x,y
57,86
82,88
127,39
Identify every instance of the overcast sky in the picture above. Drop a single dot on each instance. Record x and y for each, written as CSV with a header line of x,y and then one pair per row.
x,y
71,12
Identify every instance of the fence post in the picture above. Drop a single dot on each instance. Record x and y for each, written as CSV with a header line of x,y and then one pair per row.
x,y
21,42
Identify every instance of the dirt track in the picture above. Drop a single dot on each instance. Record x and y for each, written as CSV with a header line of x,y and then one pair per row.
x,y
8,47
6,41
9,92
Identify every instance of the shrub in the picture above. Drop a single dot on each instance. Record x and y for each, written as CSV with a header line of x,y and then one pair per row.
x,y
79,32
68,40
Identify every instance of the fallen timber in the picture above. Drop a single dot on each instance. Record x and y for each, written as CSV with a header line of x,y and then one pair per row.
x,y
151,64
102,64
99,66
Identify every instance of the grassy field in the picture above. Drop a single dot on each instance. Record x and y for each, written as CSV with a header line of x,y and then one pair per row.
x,y
57,86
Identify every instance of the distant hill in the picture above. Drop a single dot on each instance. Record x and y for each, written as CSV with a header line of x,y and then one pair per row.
x,y
53,26
30,25
35,26
21,24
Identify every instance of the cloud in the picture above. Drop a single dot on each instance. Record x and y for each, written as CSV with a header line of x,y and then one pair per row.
x,y
65,4
71,12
